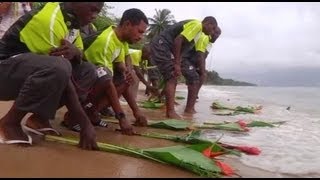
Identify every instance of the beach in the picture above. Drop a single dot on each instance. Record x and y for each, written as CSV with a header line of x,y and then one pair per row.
x,y
52,159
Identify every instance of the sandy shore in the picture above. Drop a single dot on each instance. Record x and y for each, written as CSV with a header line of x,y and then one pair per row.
x,y
50,159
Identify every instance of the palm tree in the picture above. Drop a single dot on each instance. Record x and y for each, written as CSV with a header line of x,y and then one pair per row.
x,y
160,21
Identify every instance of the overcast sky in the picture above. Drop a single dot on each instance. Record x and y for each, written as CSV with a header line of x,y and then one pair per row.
x,y
256,36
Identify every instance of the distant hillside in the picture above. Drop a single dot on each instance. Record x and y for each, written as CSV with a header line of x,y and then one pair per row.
x,y
213,78
299,76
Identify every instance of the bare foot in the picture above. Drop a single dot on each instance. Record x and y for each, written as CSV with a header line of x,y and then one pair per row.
x,y
36,123
12,131
190,111
173,115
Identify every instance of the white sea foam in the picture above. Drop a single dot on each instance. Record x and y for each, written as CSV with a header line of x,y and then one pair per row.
x,y
292,148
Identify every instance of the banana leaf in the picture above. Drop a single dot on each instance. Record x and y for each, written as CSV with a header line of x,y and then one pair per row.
x,y
103,147
251,124
192,137
228,127
264,124
151,105
186,157
216,105
245,109
232,113
180,97
236,111
172,124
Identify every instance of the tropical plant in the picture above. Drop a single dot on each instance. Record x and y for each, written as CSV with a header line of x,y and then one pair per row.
x,y
237,110
160,21
38,5
187,157
174,124
105,19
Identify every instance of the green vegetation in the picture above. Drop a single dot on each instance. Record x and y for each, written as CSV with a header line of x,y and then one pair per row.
x,y
213,78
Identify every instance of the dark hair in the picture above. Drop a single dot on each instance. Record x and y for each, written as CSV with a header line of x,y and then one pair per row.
x,y
71,3
211,20
134,16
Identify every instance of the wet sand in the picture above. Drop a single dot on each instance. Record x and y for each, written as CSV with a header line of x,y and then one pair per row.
x,y
51,159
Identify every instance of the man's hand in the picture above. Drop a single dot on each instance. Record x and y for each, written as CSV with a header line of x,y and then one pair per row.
x,y
128,76
88,138
126,127
67,50
141,120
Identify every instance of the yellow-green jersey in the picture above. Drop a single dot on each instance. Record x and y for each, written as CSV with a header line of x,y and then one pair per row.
x,y
190,29
203,44
39,31
106,48
136,56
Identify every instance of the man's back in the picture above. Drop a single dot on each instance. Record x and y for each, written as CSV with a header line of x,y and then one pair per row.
x,y
33,32
170,33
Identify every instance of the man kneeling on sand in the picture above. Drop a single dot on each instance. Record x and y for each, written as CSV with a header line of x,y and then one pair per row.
x,y
37,56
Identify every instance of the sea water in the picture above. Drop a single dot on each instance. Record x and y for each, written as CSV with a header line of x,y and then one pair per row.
x,y
289,150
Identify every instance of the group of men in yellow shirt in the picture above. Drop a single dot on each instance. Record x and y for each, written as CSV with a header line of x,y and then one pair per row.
x,y
47,65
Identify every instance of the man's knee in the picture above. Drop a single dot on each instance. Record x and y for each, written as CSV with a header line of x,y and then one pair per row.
x,y
62,69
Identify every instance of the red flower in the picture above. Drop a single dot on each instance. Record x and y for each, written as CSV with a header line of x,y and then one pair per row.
x,y
243,125
208,153
225,168
248,150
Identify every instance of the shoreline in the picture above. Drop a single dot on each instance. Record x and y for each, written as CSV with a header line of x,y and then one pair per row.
x,y
49,159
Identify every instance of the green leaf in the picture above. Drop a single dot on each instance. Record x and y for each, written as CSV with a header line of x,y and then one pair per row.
x,y
245,109
228,126
260,124
152,105
236,111
193,138
186,157
103,147
180,97
180,156
172,124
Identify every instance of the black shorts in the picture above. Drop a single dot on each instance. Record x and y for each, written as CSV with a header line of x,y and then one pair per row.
x,y
84,76
36,82
103,72
189,70
162,57
154,74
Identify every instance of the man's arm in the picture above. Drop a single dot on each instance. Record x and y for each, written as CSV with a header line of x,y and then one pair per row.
x,y
128,61
178,41
87,133
201,63
140,75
